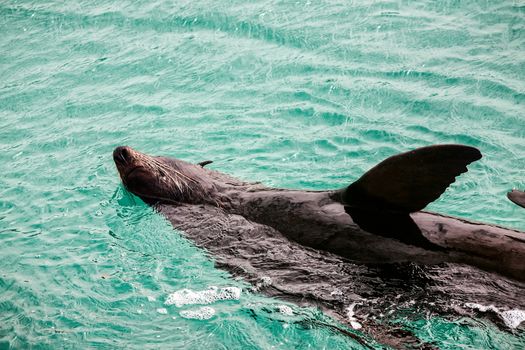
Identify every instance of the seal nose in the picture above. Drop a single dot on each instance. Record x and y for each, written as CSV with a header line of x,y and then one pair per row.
x,y
122,154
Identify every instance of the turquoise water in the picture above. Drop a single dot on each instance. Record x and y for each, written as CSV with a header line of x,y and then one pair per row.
x,y
305,94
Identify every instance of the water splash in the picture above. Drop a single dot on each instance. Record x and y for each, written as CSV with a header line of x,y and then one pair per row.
x,y
511,318
190,297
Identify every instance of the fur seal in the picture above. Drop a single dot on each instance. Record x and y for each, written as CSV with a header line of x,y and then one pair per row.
x,y
377,219
368,244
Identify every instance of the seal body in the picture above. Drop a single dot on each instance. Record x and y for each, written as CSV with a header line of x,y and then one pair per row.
x,y
339,248
329,221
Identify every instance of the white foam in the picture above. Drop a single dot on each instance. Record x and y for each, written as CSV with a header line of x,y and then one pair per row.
x,y
203,297
351,318
482,308
285,310
356,325
162,311
264,282
512,318
336,292
203,313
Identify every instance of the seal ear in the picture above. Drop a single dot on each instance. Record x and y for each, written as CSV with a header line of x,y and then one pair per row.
x,y
518,197
204,163
382,199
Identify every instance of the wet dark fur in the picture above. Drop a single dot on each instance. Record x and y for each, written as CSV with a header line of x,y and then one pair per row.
x,y
299,239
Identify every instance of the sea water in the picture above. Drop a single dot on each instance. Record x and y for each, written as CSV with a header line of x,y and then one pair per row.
x,y
296,94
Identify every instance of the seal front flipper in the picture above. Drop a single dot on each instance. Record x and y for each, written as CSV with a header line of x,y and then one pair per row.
x,y
382,199
518,197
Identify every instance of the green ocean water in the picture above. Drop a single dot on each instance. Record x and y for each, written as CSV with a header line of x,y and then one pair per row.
x,y
296,94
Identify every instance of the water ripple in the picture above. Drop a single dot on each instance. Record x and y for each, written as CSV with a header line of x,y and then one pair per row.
x,y
294,94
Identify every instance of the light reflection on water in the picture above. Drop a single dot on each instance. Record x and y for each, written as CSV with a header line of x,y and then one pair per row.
x,y
299,95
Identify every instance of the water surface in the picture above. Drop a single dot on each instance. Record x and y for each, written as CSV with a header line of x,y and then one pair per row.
x,y
305,94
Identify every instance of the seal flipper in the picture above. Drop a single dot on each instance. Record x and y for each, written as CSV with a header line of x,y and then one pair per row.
x,y
409,181
382,199
518,197
395,225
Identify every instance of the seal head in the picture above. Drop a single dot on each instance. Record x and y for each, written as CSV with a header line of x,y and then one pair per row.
x,y
160,179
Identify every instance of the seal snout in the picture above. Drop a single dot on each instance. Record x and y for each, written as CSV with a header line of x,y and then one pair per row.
x,y
122,155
